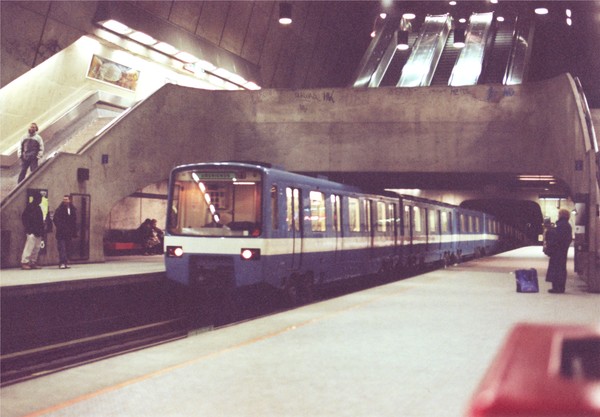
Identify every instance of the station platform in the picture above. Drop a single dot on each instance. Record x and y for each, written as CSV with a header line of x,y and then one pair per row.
x,y
114,266
418,347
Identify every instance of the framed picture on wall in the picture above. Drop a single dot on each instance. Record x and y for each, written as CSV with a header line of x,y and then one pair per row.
x,y
105,70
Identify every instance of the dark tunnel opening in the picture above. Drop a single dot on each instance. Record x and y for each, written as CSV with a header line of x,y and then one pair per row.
x,y
525,215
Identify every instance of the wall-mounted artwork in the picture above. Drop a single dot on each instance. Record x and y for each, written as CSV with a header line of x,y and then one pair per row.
x,y
102,69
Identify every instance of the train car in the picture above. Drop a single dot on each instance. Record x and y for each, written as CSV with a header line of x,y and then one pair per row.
x,y
238,225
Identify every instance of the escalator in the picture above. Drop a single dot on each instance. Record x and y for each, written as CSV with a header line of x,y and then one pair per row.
x,y
495,66
469,64
426,53
68,133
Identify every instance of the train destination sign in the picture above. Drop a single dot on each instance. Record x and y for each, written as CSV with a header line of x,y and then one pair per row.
x,y
216,175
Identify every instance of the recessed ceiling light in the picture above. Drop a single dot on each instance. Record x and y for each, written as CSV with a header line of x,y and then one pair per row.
x,y
117,27
166,48
141,37
541,10
185,57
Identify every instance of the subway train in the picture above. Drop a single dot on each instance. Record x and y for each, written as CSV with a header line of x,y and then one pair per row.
x,y
237,225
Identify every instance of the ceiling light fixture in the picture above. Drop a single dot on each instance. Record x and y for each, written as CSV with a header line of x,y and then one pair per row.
x,y
143,38
166,48
541,10
285,13
118,27
186,57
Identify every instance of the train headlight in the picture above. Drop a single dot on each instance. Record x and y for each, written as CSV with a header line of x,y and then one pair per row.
x,y
250,254
174,251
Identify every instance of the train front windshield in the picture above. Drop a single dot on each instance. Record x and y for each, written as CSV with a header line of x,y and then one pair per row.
x,y
215,202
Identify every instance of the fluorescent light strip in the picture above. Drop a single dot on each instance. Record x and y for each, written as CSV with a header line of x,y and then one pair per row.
x,y
141,37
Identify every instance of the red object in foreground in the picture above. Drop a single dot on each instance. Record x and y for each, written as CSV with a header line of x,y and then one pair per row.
x,y
543,370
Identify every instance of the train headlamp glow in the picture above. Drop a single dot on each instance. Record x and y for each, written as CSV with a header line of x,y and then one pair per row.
x,y
250,254
174,251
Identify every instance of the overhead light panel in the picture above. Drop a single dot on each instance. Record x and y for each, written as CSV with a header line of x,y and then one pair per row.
x,y
205,65
252,86
541,10
186,57
409,16
285,13
166,48
143,38
117,27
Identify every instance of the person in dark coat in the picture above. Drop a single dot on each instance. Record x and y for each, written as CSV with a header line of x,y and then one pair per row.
x,y
65,220
148,236
33,221
559,240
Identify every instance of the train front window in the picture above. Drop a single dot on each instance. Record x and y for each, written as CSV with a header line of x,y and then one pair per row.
x,y
216,202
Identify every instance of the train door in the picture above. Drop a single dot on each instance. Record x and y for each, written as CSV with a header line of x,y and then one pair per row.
x,y
336,218
294,225
407,229
433,230
368,210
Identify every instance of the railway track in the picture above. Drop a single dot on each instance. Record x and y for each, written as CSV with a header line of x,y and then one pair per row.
x,y
32,363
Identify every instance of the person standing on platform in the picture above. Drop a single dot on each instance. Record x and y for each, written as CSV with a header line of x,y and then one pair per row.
x,y
65,220
33,221
559,240
31,149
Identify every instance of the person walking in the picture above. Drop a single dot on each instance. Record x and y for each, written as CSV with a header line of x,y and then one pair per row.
x,y
33,221
558,242
31,149
65,220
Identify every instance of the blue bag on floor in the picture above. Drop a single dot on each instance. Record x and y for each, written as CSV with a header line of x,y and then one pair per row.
x,y
527,280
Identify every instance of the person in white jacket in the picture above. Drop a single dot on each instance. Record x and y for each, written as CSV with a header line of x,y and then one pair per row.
x,y
31,149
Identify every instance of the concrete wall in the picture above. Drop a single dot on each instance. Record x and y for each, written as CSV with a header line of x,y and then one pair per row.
x,y
531,129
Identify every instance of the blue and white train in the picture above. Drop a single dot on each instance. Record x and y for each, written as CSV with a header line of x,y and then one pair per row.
x,y
236,225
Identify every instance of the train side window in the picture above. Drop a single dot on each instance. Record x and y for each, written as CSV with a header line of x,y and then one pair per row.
x,y
477,225
336,209
274,207
462,223
317,211
433,221
293,209
445,222
381,217
354,214
418,221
